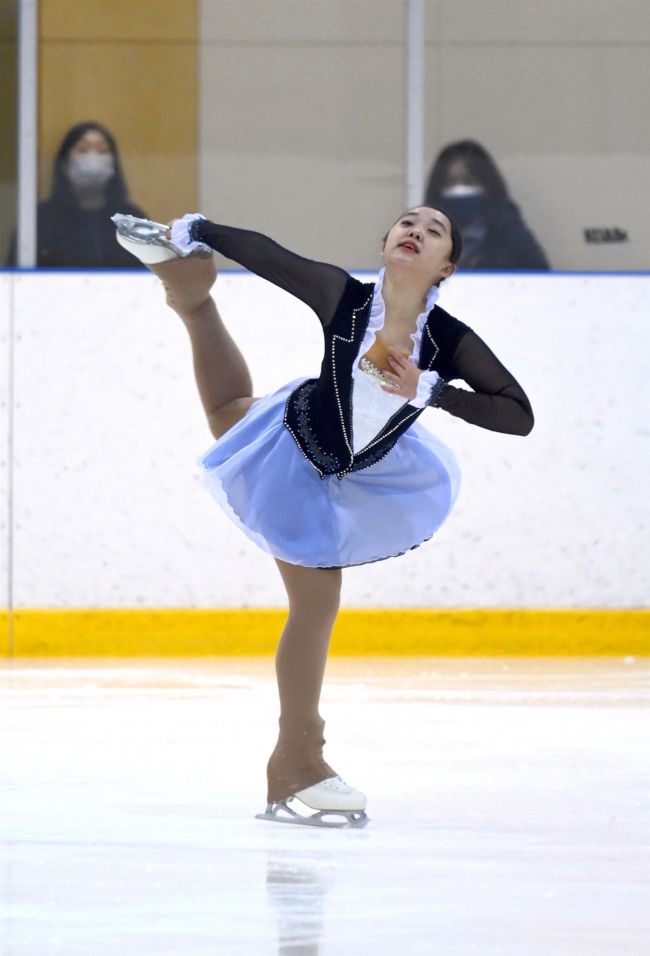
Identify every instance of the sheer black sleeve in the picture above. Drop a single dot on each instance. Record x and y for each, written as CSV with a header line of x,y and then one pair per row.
x,y
497,401
318,284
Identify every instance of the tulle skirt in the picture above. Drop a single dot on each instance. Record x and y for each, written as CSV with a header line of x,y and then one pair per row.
x,y
261,479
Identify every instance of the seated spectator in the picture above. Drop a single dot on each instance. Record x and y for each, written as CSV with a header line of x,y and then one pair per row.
x,y
466,185
74,227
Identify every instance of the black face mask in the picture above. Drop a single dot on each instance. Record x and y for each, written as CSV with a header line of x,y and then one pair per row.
x,y
464,210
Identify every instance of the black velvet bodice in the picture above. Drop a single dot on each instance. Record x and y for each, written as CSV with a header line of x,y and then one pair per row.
x,y
319,411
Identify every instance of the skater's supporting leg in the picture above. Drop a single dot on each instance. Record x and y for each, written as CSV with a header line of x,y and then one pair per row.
x,y
222,376
297,761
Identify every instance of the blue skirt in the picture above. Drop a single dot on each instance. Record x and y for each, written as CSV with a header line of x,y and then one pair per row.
x,y
263,482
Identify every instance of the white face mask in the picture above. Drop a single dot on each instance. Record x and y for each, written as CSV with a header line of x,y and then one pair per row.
x,y
461,189
88,170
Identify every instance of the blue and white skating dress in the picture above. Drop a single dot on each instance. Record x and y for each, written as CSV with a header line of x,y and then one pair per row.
x,y
334,472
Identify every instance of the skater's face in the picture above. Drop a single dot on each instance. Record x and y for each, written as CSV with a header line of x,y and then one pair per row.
x,y
421,241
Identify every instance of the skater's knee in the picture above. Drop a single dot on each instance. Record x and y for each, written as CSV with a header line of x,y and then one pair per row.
x,y
221,419
312,592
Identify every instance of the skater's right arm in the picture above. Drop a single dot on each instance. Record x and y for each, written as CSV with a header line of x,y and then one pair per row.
x,y
318,284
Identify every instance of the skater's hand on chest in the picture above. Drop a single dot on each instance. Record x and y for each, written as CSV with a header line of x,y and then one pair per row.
x,y
404,375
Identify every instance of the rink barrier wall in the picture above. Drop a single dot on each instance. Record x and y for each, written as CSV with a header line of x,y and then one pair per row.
x,y
358,632
101,497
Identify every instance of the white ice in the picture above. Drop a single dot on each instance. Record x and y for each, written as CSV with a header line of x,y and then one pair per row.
x,y
508,803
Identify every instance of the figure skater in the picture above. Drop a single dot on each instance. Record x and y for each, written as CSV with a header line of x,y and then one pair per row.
x,y
334,471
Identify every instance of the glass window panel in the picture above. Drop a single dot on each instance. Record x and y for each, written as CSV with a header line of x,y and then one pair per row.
x,y
554,90
132,69
9,115
302,122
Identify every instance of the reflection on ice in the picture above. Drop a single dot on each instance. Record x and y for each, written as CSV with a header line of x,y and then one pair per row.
x,y
297,892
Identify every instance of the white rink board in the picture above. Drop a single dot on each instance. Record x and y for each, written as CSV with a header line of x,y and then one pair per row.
x,y
5,437
108,506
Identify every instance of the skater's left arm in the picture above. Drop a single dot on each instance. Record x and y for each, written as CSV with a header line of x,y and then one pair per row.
x,y
319,285
497,401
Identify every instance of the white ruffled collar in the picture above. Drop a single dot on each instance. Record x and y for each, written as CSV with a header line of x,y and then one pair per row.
x,y
378,314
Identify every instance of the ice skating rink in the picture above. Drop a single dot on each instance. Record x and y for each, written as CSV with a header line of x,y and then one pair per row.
x,y
508,803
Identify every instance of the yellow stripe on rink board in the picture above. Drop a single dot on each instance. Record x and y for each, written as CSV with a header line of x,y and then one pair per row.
x,y
358,632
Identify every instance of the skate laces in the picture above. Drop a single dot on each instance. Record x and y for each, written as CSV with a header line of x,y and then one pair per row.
x,y
336,783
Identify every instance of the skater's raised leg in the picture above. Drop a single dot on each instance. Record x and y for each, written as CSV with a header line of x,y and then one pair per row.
x,y
221,373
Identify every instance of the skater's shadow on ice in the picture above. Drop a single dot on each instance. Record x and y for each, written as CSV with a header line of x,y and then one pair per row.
x,y
297,894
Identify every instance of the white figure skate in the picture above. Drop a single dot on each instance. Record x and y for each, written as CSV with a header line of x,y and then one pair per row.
x,y
332,798
148,241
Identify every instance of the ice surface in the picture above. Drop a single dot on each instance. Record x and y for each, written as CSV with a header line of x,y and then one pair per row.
x,y
508,803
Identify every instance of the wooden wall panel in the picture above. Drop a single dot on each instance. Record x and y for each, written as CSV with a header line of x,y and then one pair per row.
x,y
133,68
111,20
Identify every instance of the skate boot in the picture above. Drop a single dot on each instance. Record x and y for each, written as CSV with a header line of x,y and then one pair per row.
x,y
148,241
186,274
336,803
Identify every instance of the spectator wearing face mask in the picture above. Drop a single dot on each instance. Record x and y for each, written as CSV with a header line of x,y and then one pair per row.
x,y
466,185
74,224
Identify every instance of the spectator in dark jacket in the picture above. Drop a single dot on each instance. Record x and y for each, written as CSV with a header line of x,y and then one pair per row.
x,y
466,185
74,225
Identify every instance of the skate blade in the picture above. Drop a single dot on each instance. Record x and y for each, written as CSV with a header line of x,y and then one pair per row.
x,y
353,819
148,242
146,252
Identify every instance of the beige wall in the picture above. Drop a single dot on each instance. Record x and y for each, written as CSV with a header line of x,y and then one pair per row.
x,y
132,67
302,113
558,91
302,116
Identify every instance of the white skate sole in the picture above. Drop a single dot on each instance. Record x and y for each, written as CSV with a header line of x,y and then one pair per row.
x,y
336,803
148,242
